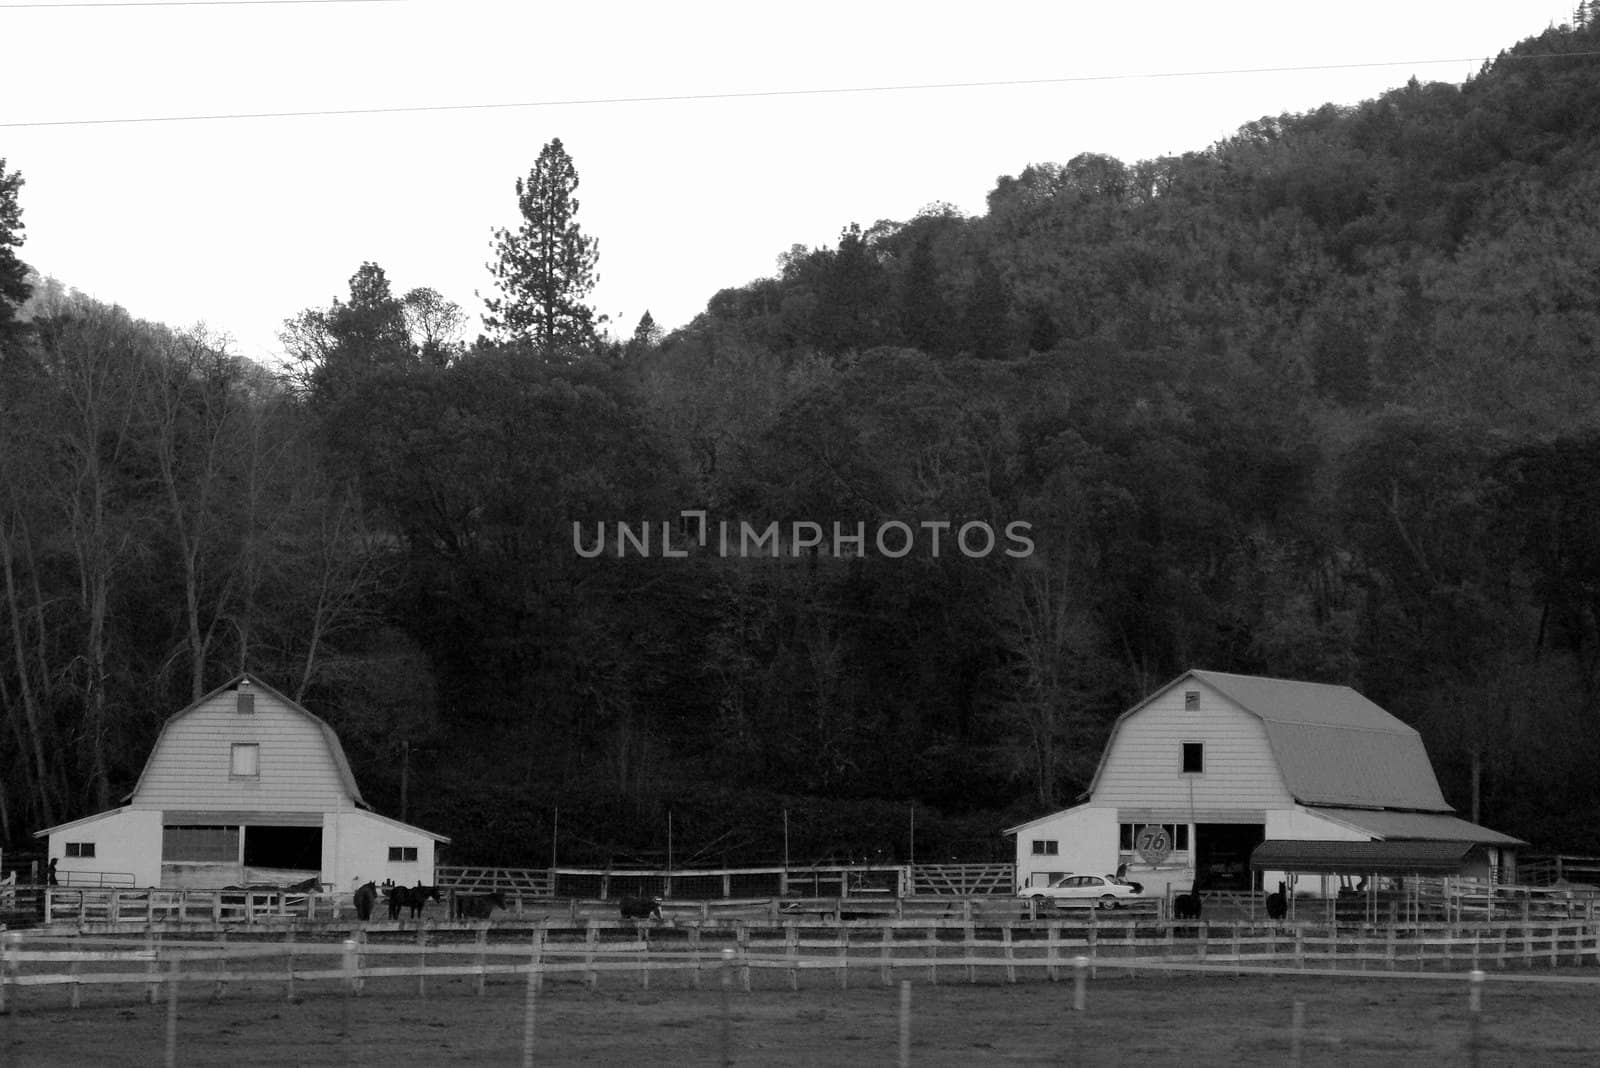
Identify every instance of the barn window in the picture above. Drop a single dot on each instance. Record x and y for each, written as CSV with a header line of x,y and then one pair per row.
x,y
246,761
80,849
402,852
1046,848
1191,700
1194,757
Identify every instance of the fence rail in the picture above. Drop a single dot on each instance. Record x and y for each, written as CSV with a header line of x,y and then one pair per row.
x,y
934,950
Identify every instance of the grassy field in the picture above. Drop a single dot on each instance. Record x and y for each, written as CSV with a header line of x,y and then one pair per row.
x,y
1147,1021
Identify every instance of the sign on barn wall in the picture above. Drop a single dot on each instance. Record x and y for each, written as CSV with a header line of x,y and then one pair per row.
x,y
1154,844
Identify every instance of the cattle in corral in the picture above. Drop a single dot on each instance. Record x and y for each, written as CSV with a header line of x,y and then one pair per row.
x,y
641,908
366,896
1187,906
1277,904
479,906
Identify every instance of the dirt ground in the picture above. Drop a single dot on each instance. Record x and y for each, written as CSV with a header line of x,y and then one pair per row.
x,y
1148,1021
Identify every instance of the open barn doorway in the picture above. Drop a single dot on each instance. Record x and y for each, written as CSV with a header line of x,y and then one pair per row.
x,y
1222,855
294,849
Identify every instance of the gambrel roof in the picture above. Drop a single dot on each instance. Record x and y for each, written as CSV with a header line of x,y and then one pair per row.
x,y
341,765
1332,745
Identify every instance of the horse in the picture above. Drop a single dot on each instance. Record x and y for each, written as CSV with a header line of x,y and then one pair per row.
x,y
479,906
1277,904
410,897
306,886
641,908
366,896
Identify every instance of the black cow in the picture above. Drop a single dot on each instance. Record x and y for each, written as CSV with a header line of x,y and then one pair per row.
x,y
641,908
366,896
479,906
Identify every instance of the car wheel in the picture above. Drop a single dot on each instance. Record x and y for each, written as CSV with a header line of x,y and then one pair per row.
x,y
1108,902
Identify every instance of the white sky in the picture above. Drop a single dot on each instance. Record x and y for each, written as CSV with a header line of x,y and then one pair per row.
x,y
243,222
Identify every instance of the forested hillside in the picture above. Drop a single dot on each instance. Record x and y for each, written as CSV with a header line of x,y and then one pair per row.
x,y
1318,401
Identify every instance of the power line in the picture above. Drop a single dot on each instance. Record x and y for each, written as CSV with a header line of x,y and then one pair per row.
x,y
55,4
756,94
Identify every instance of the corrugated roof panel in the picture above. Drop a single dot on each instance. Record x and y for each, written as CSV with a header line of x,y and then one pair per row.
x,y
1288,701
1361,858
1325,765
1399,826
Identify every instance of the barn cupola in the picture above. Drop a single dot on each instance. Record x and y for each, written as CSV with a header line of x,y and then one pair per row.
x,y
246,697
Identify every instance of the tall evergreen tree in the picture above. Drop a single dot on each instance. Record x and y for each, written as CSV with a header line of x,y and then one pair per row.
x,y
545,269
14,288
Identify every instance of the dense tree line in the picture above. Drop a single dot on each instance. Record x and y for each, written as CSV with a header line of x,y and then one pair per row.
x,y
1315,402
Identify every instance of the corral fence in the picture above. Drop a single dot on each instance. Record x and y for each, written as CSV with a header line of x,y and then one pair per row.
x,y
1559,869
1423,901
788,954
900,880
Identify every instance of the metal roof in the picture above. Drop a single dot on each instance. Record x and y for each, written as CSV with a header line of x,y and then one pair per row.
x,y
1333,746
1361,858
1403,826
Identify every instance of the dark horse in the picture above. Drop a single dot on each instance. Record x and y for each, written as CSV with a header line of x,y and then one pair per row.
x,y
479,906
366,896
410,897
641,908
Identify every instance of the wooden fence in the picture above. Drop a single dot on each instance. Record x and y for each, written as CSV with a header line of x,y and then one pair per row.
x,y
780,954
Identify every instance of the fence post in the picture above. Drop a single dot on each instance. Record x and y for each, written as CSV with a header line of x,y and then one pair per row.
x,y
483,952
885,953
172,1014
1080,983
351,965
288,977
1474,1013
422,960
9,943
742,939
530,1001
154,986
591,977
222,965
791,951
1297,1027
905,1023
727,1008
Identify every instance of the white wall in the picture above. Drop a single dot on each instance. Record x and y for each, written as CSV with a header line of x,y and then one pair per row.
x,y
190,767
355,850
126,841
1086,838
1144,765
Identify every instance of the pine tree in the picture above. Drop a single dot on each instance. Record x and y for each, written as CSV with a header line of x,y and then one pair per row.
x,y
545,269
14,288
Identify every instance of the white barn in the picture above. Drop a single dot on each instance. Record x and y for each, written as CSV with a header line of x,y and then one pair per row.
x,y
1203,771
243,787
